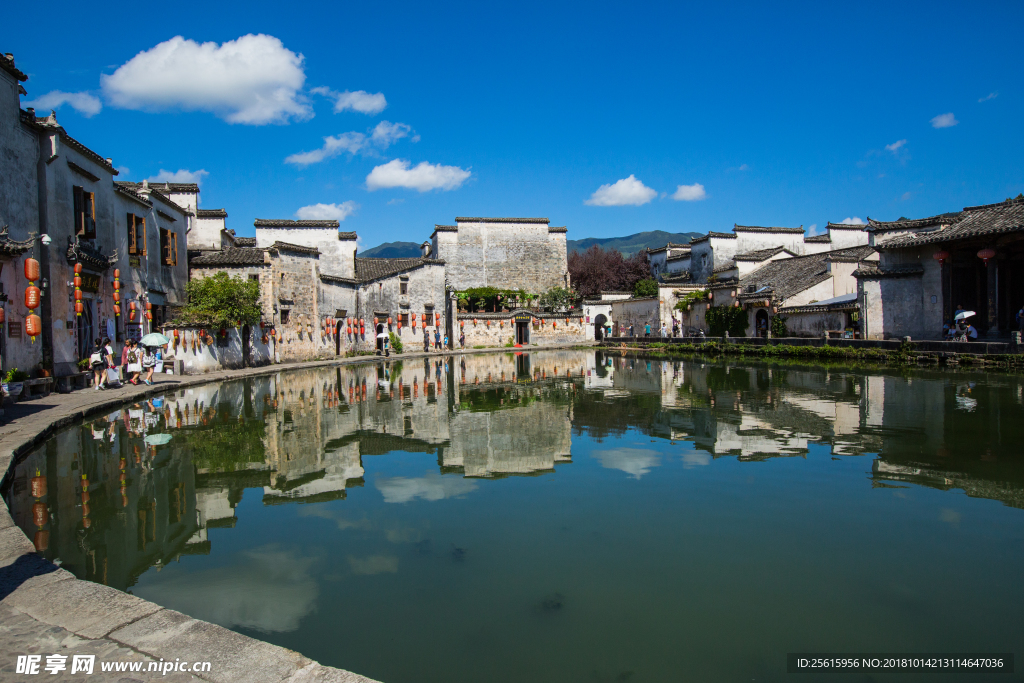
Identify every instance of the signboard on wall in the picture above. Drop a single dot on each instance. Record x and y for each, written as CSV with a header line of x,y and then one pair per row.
x,y
90,282
14,330
133,331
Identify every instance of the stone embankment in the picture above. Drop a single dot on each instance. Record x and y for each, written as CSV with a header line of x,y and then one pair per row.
x,y
45,610
877,350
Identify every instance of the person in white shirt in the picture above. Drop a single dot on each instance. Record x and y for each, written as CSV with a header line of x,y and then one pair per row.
x,y
972,333
148,363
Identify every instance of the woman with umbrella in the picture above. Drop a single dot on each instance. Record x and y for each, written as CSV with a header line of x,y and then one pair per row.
x,y
150,343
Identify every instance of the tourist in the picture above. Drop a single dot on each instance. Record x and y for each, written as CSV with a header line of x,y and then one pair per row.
x,y
98,365
675,327
647,330
972,333
426,342
445,341
124,360
437,339
148,364
1020,319
134,366
110,368
462,340
631,329
664,332
959,309
387,346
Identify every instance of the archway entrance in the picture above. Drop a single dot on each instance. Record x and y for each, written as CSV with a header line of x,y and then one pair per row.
x,y
599,327
246,350
761,323
380,341
337,337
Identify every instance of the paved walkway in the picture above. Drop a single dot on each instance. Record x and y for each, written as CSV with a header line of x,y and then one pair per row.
x,y
45,610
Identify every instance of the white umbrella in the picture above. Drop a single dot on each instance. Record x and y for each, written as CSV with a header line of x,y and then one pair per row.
x,y
964,314
382,336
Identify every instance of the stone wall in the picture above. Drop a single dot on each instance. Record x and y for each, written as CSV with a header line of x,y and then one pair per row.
x,y
506,255
499,329
638,313
200,358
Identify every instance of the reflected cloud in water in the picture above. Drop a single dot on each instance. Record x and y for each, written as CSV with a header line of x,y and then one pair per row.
x,y
431,486
267,589
374,564
635,462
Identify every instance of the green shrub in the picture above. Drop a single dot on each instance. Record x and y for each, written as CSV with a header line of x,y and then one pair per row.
x,y
779,328
396,342
646,287
221,301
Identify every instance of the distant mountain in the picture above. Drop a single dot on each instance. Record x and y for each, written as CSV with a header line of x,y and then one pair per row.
x,y
631,244
392,250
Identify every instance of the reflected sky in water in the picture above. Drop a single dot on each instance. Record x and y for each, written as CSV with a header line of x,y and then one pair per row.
x,y
557,516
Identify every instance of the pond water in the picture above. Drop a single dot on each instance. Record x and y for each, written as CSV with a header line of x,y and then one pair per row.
x,y
558,516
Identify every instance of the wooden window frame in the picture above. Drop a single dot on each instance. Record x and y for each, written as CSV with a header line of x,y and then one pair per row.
x,y
132,248
168,247
84,212
134,232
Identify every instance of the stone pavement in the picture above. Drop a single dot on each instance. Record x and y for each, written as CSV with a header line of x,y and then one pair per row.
x,y
45,610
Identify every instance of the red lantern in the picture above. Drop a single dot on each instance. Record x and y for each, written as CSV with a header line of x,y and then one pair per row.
x,y
78,295
40,515
117,310
423,316
33,326
941,256
117,285
31,269
462,323
149,315
414,322
78,281
78,268
41,540
348,330
79,308
149,306
986,254
1,316
389,320
31,297
437,320
117,297
117,273
131,306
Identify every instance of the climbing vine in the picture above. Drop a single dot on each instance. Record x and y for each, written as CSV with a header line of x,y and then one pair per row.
x,y
722,319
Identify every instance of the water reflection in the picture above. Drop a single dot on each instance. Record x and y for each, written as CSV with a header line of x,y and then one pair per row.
x,y
141,487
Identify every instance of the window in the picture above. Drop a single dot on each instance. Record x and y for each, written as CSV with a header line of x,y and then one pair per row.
x,y
85,213
168,247
136,235
254,277
403,287
284,317
404,319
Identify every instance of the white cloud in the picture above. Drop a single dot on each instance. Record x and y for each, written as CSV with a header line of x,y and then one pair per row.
x,y
383,135
431,486
360,100
895,147
944,121
689,193
124,172
182,175
253,80
854,220
634,461
626,192
422,177
813,230
374,564
906,196
695,458
85,104
326,212
990,96
744,167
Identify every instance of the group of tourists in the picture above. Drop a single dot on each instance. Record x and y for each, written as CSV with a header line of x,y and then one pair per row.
x,y
138,363
438,340
663,332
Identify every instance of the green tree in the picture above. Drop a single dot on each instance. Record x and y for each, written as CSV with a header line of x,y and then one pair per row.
x,y
396,342
221,301
558,299
722,319
646,287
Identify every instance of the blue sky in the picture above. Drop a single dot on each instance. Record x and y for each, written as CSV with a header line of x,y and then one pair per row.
x,y
608,118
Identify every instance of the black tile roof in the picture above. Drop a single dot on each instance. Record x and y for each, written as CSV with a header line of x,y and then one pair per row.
x,y
470,219
818,239
758,228
846,226
789,276
669,245
7,64
297,248
679,277
760,254
725,267
368,269
678,257
912,224
211,213
169,188
347,236
285,223
719,235
238,257
558,229
974,221
872,271
245,241
129,192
